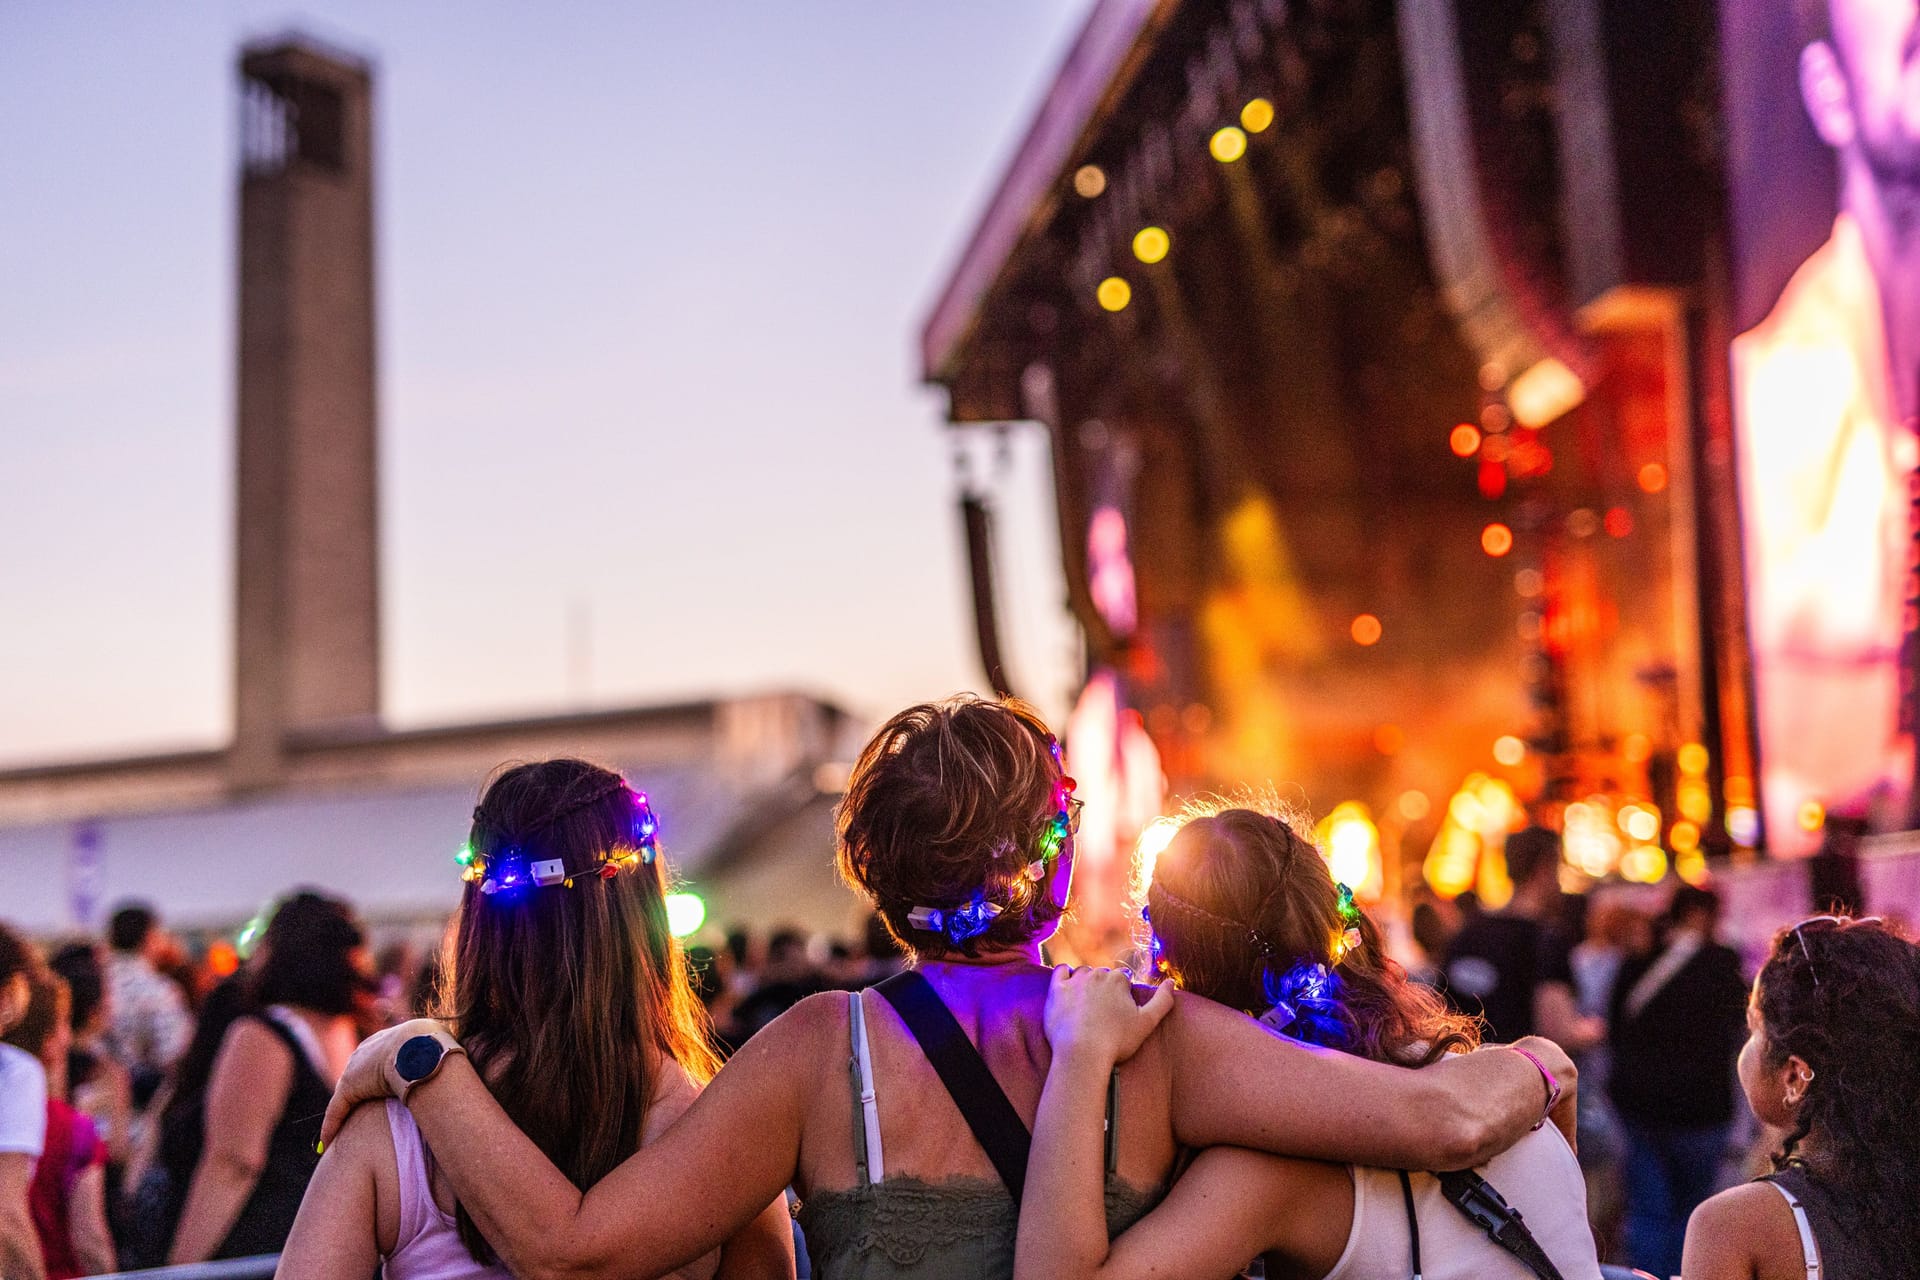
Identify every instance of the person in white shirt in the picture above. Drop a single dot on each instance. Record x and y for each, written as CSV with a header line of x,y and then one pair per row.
x,y
150,1025
23,1116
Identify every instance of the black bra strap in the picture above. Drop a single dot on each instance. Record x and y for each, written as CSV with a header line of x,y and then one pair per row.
x,y
983,1104
1413,1221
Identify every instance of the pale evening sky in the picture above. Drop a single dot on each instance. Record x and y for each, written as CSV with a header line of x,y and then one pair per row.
x,y
650,280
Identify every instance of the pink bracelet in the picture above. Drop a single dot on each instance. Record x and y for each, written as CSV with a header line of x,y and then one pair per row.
x,y
1553,1086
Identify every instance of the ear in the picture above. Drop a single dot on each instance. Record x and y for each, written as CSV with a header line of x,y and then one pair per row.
x,y
1799,1079
1823,88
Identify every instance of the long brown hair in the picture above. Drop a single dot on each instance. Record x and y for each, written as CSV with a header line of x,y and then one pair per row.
x,y
570,999
1240,901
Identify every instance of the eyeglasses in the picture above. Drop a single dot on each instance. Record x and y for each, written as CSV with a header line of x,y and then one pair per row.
x,y
1800,937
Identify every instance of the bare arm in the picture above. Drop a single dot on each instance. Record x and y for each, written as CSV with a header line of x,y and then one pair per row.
x,y
251,1079
19,1245
337,1230
716,1170
1236,1084
1229,1207
87,1223
764,1251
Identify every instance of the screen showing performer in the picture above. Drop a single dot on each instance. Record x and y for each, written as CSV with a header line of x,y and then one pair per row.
x,y
1825,388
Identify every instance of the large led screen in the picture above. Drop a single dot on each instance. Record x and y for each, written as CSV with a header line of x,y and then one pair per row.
x,y
1823,133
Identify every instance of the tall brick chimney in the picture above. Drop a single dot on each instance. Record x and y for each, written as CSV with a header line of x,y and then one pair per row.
x,y
307,615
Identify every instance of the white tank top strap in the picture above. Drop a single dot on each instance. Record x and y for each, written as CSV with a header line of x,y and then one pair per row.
x,y
416,1187
1809,1247
866,1125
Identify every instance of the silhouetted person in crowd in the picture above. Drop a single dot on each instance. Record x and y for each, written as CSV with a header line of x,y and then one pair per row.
x,y
1511,966
150,1023
788,978
1678,1019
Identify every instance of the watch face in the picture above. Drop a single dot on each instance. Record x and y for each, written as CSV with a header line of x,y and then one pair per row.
x,y
417,1058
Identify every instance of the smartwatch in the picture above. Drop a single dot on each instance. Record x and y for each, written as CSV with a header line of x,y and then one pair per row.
x,y
418,1059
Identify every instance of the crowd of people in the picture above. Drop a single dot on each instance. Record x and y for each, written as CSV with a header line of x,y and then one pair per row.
x,y
589,1097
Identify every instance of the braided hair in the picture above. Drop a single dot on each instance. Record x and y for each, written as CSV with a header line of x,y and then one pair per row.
x,y
1244,911
1843,996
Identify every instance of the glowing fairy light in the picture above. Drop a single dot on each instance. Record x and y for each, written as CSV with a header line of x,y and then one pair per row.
x,y
1228,144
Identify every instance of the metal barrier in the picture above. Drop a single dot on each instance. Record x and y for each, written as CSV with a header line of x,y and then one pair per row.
x,y
256,1268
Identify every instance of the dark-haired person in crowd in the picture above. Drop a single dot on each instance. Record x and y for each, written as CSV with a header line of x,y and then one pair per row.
x,y
958,825
96,1082
1511,966
1676,1021
69,1193
271,1079
149,1024
1833,1058
787,978
1243,911
23,1114
571,999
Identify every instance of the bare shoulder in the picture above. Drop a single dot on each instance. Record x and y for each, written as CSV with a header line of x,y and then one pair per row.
x,y
673,1093
809,1025
250,1046
1744,1233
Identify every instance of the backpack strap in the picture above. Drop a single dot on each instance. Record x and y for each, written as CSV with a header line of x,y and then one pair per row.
x,y
1475,1197
996,1126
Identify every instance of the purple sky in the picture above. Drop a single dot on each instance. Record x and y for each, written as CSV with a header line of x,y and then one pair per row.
x,y
694,238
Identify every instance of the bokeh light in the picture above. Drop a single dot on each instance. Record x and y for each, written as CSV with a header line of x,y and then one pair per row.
x,y
1114,293
1150,244
1089,180
1812,816
1227,145
1692,759
1256,116
1653,478
1366,630
1496,540
686,912
1464,440
1413,805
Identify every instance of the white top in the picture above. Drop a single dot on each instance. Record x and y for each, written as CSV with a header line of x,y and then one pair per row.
x,y
1539,1176
23,1102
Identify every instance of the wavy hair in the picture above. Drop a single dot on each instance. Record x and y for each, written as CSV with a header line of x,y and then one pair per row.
x,y
1844,996
568,1000
1241,906
950,800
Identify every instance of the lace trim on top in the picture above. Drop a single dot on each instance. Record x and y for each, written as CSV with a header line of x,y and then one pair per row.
x,y
904,1219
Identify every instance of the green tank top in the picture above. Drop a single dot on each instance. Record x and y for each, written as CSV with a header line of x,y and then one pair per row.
x,y
954,1229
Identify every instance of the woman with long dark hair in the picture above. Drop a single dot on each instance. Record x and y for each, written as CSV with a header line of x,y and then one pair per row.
x,y
568,994
1243,911
296,1023
958,826
1832,1057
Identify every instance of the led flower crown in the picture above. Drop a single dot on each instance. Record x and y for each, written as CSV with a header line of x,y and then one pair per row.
x,y
511,870
973,917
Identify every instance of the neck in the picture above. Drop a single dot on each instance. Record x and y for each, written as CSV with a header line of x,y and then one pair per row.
x,y
1888,215
996,957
